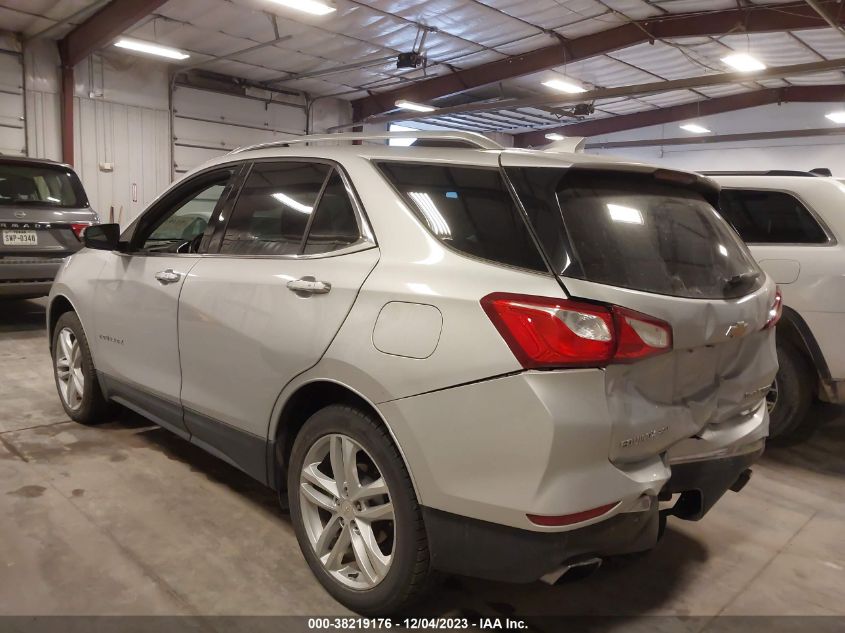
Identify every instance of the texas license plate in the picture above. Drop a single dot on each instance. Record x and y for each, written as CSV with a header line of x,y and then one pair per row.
x,y
20,238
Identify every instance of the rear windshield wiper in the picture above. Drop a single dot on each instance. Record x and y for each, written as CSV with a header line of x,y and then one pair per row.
x,y
737,280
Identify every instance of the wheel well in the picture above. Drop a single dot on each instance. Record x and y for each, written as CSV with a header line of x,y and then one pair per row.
x,y
302,405
794,331
58,307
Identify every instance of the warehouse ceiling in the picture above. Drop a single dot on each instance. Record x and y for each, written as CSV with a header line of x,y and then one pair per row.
x,y
351,53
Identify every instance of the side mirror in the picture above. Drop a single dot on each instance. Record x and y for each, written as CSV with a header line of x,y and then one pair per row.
x,y
103,237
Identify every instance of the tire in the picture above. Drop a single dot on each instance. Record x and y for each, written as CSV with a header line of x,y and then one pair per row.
x,y
408,574
793,390
91,407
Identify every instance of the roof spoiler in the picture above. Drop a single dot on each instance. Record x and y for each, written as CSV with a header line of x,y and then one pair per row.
x,y
568,145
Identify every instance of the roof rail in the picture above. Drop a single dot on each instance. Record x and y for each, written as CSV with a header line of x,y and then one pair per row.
x,y
455,139
771,172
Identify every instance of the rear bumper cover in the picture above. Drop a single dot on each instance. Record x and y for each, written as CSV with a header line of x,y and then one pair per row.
x,y
702,483
470,547
27,276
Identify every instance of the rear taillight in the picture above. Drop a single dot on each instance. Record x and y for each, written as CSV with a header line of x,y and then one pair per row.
x,y
78,228
775,311
544,332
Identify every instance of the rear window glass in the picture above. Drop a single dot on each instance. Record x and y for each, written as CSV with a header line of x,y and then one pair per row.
x,y
770,217
469,209
38,185
635,232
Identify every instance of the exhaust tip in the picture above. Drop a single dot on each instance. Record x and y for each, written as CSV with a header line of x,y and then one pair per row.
x,y
572,571
740,482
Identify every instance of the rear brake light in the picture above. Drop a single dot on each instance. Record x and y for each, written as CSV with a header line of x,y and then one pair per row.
x,y
78,229
775,311
544,332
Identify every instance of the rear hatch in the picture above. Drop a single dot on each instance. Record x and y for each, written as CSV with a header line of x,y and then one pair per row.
x,y
43,210
650,241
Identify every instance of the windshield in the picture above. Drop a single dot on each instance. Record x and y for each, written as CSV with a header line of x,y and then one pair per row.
x,y
633,231
40,185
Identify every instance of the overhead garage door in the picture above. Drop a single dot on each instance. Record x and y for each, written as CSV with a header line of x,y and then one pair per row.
x,y
12,126
207,124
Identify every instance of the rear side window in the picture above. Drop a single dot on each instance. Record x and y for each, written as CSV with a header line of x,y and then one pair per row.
x,y
770,217
635,232
273,208
334,225
469,209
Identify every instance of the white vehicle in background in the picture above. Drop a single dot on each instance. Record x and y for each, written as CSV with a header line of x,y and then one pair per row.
x,y
794,223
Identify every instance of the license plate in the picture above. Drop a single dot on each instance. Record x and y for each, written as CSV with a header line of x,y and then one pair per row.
x,y
20,238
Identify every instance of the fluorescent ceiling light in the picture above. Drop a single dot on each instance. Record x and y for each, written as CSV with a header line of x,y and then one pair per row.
x,y
417,107
314,7
293,204
837,117
435,220
150,49
628,215
695,128
554,136
744,62
564,85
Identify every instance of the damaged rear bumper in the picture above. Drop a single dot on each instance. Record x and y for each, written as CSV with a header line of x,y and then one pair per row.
x,y
470,547
701,483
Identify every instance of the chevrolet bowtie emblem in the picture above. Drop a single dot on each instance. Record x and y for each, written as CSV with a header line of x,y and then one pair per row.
x,y
737,329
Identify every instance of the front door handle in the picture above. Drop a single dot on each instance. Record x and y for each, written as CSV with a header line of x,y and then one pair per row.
x,y
309,286
168,276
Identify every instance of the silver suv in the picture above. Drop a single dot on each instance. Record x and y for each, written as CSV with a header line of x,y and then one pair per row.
x,y
43,212
446,357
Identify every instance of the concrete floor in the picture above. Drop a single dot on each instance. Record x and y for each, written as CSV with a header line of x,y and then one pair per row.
x,y
126,518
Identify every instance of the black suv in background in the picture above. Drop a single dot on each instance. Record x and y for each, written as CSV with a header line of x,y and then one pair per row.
x,y
43,213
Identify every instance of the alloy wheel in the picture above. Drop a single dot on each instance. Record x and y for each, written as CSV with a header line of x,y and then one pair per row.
x,y
772,396
69,369
347,511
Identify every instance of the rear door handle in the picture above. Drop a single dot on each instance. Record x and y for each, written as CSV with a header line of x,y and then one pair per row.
x,y
168,276
309,286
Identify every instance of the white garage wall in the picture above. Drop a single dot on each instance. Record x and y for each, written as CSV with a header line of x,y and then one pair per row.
x,y
207,124
783,153
124,150
122,155
43,101
12,124
121,133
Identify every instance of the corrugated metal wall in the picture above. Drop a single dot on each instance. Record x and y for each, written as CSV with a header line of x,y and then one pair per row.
x,y
122,154
43,102
121,133
12,121
207,124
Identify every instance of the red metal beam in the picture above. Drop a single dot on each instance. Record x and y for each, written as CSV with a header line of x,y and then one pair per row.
x,y
696,109
88,37
67,114
102,27
750,19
